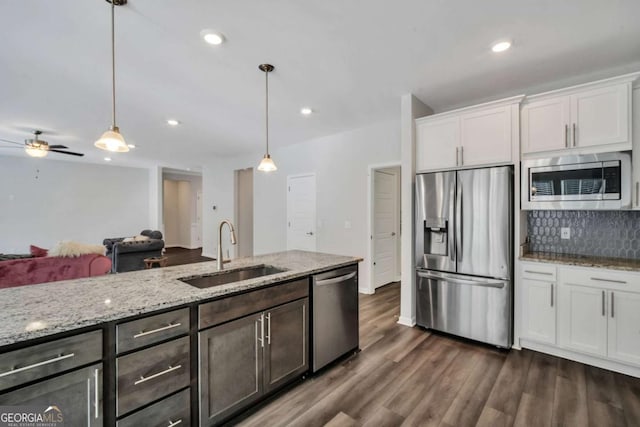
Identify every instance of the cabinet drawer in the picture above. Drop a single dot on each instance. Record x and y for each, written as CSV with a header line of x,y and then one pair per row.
x,y
173,411
234,307
599,278
149,330
150,374
539,271
41,360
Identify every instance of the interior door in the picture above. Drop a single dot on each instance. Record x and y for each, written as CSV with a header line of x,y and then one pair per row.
x,y
385,226
483,211
301,212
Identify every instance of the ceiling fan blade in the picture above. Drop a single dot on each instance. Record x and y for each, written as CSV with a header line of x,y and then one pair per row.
x,y
58,147
11,142
19,148
67,152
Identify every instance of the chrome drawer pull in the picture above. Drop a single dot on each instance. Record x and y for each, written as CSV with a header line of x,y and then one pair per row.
x,y
172,423
96,396
153,331
597,279
150,377
35,365
268,328
546,273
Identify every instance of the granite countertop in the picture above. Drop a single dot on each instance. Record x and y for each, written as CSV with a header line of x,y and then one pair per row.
x,y
33,311
583,261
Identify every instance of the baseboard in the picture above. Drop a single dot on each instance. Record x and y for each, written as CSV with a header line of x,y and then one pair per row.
x,y
582,358
366,291
407,321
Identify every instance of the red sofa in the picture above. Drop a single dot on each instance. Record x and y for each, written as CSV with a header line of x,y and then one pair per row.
x,y
29,271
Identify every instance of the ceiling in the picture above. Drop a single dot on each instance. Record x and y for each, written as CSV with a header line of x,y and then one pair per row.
x,y
348,60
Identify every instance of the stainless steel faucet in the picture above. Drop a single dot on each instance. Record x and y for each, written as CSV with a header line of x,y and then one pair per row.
x,y
233,241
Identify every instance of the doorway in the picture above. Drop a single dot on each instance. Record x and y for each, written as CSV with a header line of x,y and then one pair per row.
x,y
301,212
385,225
244,212
182,209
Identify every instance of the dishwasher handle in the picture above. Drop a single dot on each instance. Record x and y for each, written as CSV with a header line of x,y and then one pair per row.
x,y
335,280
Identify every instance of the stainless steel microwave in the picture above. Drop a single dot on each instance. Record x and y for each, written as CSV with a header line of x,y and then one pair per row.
x,y
589,181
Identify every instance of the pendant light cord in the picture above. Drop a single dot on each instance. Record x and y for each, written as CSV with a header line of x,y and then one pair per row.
x,y
267,108
113,65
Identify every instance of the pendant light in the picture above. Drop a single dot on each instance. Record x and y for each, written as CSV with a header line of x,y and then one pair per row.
x,y
111,140
267,165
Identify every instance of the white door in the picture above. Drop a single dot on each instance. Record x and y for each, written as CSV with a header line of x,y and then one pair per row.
x,y
624,326
436,143
485,137
545,125
198,238
301,212
582,320
539,311
385,228
601,116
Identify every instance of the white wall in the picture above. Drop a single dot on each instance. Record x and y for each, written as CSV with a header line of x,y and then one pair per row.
x,y
43,201
341,164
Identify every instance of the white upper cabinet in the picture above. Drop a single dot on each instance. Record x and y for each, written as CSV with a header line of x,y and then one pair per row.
x,y
636,148
472,136
593,117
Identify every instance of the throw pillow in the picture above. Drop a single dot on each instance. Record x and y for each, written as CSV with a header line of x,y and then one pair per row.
x,y
141,238
75,249
37,252
129,239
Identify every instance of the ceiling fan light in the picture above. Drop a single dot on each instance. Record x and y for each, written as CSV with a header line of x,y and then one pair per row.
x,y
111,140
36,151
267,165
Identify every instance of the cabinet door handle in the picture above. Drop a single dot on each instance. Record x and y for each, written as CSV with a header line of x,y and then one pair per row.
x,y
597,279
574,134
261,334
552,295
268,328
603,304
457,156
35,365
96,396
637,194
156,375
174,423
462,156
154,331
546,273
566,136
612,305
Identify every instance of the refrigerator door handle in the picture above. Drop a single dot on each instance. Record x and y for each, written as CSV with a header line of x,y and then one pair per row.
x,y
454,279
458,224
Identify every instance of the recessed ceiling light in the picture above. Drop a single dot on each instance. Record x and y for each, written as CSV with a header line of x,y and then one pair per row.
x,y
306,111
173,122
501,46
107,159
131,145
212,37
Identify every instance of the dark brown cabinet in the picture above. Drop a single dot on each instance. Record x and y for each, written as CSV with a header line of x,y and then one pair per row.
x,y
242,360
60,397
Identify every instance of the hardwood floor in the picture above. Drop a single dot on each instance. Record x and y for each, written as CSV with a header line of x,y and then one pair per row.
x,y
179,256
408,376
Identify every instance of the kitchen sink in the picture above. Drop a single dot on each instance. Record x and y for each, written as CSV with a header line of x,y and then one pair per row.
x,y
230,276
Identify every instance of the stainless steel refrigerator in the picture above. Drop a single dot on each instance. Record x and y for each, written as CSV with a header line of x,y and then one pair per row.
x,y
464,256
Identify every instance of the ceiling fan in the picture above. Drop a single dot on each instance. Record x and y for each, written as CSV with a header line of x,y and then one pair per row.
x,y
36,147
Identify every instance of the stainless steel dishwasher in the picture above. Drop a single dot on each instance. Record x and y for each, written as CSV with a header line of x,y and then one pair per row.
x,y
335,315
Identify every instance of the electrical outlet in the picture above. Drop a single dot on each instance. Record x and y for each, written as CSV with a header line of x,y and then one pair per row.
x,y
565,233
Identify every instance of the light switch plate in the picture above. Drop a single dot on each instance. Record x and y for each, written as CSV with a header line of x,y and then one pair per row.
x,y
565,233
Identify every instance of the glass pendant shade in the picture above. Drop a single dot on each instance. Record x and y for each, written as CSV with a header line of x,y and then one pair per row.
x,y
267,165
111,140
36,152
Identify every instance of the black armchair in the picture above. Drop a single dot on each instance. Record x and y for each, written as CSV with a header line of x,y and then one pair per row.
x,y
130,255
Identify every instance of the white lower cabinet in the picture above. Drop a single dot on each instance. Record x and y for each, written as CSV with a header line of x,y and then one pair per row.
x,y
624,326
539,311
582,319
592,313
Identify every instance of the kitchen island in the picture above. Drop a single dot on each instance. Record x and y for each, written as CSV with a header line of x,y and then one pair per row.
x,y
146,345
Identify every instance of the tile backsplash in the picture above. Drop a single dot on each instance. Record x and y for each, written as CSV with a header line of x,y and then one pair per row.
x,y
614,234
